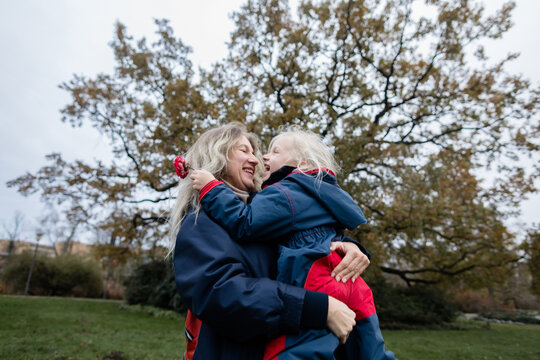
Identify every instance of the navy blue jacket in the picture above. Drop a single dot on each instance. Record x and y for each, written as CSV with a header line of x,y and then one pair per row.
x,y
227,286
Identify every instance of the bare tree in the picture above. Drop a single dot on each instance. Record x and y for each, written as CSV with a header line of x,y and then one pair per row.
x,y
60,229
13,230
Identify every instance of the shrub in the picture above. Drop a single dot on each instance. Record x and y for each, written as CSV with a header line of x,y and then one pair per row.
x,y
67,275
143,281
410,307
77,276
153,284
474,301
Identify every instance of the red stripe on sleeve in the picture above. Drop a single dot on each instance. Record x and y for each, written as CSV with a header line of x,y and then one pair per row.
x,y
212,184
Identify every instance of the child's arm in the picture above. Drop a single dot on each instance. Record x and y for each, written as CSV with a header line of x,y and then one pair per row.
x,y
271,214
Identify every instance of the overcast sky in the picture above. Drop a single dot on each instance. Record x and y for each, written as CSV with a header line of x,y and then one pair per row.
x,y
43,43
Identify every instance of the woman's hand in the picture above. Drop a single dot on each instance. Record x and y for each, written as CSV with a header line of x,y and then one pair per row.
x,y
340,320
353,264
200,178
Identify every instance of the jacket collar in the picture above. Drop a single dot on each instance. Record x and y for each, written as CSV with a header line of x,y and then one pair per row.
x,y
278,175
286,170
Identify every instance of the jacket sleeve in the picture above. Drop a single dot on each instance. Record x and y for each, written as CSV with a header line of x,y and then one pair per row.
x,y
212,279
272,213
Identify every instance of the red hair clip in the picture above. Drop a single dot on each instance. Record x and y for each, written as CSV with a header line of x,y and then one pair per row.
x,y
181,166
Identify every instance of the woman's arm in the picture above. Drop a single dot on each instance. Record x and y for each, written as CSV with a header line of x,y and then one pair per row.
x,y
212,278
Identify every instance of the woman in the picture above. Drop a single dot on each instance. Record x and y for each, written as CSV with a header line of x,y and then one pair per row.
x,y
227,285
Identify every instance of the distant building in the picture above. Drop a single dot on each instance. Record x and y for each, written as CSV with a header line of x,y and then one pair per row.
x,y
77,248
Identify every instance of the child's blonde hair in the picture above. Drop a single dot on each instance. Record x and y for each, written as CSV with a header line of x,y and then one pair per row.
x,y
307,149
209,152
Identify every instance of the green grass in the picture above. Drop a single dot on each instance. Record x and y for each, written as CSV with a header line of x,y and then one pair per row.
x,y
64,328
500,341
67,328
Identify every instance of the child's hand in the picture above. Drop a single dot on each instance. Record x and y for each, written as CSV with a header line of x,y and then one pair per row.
x,y
200,178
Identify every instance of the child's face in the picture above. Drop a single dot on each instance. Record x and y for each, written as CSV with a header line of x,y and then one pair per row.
x,y
279,155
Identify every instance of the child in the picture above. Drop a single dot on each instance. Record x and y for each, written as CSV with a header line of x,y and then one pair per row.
x,y
302,208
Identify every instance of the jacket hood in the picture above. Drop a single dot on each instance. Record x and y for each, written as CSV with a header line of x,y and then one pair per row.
x,y
337,201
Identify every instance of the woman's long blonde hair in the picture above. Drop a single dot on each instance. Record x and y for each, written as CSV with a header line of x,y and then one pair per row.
x,y
209,152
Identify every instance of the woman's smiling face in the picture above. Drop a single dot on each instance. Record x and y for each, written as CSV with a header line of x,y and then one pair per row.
x,y
241,165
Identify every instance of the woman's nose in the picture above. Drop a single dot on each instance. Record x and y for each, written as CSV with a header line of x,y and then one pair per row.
x,y
265,157
253,159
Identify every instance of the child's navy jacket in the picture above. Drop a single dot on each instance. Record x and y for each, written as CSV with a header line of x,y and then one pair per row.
x,y
303,213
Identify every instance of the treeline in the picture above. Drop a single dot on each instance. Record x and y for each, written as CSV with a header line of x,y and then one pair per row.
x,y
66,275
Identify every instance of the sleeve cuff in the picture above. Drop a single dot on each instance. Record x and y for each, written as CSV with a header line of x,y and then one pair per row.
x,y
212,184
314,311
